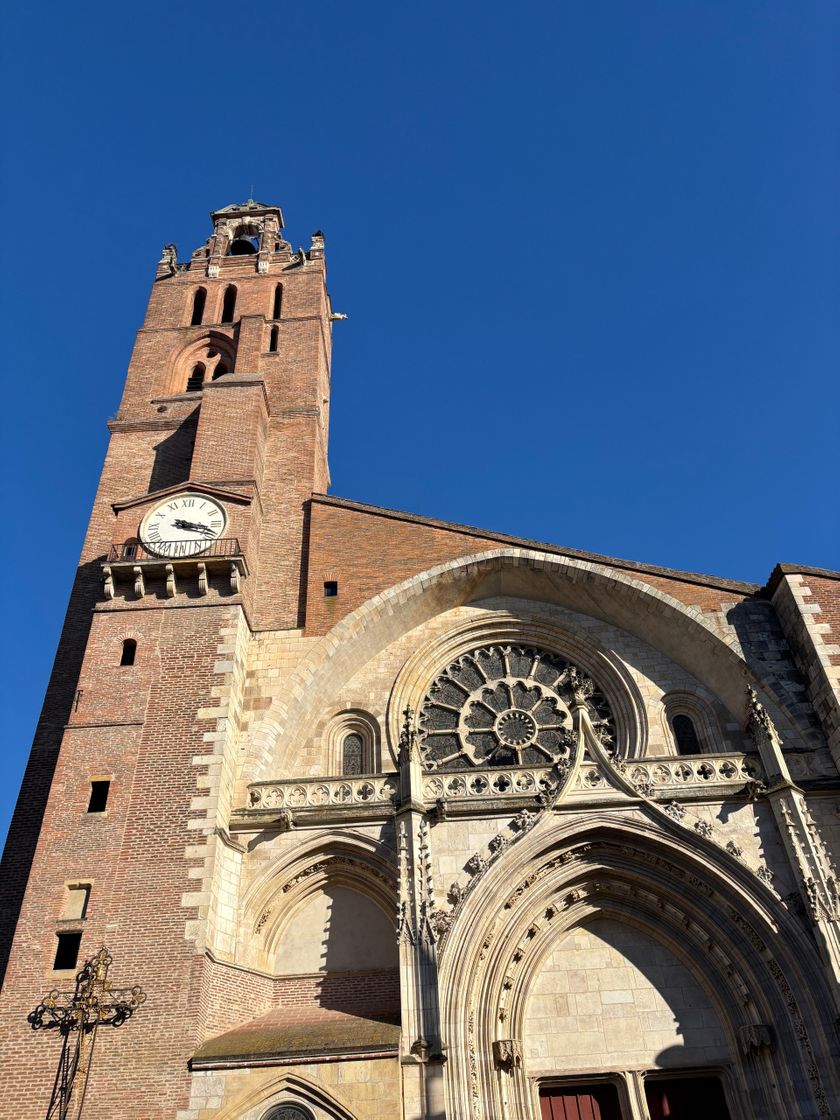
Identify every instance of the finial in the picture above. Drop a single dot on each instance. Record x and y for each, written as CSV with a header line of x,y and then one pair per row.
x,y
758,721
409,747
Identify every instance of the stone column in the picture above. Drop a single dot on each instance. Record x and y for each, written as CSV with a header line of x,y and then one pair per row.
x,y
806,852
422,1050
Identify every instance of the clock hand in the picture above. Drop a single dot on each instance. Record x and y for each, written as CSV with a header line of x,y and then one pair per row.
x,y
191,526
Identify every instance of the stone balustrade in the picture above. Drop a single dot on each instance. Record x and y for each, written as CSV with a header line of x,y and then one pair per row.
x,y
512,783
694,774
504,789
320,793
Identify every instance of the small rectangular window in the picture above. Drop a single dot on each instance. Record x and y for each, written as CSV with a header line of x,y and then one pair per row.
x,y
330,588
98,796
76,901
67,951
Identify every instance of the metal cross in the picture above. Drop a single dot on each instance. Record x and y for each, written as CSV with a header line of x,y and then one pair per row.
x,y
76,1016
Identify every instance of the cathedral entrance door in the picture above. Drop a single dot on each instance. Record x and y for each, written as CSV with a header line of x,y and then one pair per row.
x,y
580,1102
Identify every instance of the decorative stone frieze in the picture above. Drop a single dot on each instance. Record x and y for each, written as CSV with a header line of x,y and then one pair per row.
x,y
319,798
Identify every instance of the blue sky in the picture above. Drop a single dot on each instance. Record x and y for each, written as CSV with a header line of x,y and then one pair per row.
x,y
589,255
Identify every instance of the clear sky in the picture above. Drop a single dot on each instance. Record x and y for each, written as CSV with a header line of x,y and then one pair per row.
x,y
588,254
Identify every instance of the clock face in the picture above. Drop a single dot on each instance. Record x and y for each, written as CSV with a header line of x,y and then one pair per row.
x,y
183,525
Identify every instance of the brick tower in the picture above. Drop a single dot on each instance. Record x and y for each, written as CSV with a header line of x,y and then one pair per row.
x,y
223,427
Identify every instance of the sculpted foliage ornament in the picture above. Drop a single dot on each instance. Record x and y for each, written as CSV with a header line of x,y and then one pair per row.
x,y
507,705
759,724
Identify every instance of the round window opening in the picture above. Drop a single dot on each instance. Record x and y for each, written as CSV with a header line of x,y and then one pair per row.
x,y
507,705
288,1112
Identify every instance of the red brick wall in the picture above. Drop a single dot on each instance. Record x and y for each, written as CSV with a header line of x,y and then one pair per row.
x,y
235,996
368,551
826,592
141,725
146,737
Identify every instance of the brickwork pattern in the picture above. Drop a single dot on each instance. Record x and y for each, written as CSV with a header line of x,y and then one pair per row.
x,y
808,608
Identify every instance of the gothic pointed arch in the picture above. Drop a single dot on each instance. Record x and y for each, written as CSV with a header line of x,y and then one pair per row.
x,y
682,632
349,861
282,1088
211,350
751,956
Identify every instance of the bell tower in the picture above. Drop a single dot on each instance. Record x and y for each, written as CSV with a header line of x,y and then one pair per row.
x,y
229,385
196,544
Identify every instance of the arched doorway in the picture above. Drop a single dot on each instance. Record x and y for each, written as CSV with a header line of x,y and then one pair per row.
x,y
707,987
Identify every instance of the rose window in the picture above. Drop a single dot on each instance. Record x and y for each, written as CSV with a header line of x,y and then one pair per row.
x,y
506,706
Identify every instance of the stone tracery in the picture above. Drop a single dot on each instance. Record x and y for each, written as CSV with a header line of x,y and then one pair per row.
x,y
503,705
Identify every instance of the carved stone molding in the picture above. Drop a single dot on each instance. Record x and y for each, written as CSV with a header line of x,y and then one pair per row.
x,y
507,1054
756,1037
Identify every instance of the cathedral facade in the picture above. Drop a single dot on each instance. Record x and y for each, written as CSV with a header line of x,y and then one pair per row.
x,y
392,817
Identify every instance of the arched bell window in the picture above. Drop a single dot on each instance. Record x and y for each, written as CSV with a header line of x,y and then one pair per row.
x,y
196,378
199,300
229,304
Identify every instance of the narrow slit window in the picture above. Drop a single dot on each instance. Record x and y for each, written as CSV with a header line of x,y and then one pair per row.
x,y
278,301
229,305
98,800
330,588
352,754
129,652
67,950
76,901
274,338
199,300
196,378
685,735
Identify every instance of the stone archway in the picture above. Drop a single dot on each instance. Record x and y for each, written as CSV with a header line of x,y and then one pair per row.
x,y
752,960
682,632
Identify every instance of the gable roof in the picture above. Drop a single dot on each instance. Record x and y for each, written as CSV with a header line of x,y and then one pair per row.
x,y
738,586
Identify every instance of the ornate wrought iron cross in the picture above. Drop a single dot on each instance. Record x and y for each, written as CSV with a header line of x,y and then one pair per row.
x,y
76,1016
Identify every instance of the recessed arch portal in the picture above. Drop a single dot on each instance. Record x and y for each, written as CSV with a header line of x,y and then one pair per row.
x,y
258,1096
318,874
610,594
750,957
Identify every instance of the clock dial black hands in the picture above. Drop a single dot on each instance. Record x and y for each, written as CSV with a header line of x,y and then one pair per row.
x,y
183,525
193,527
